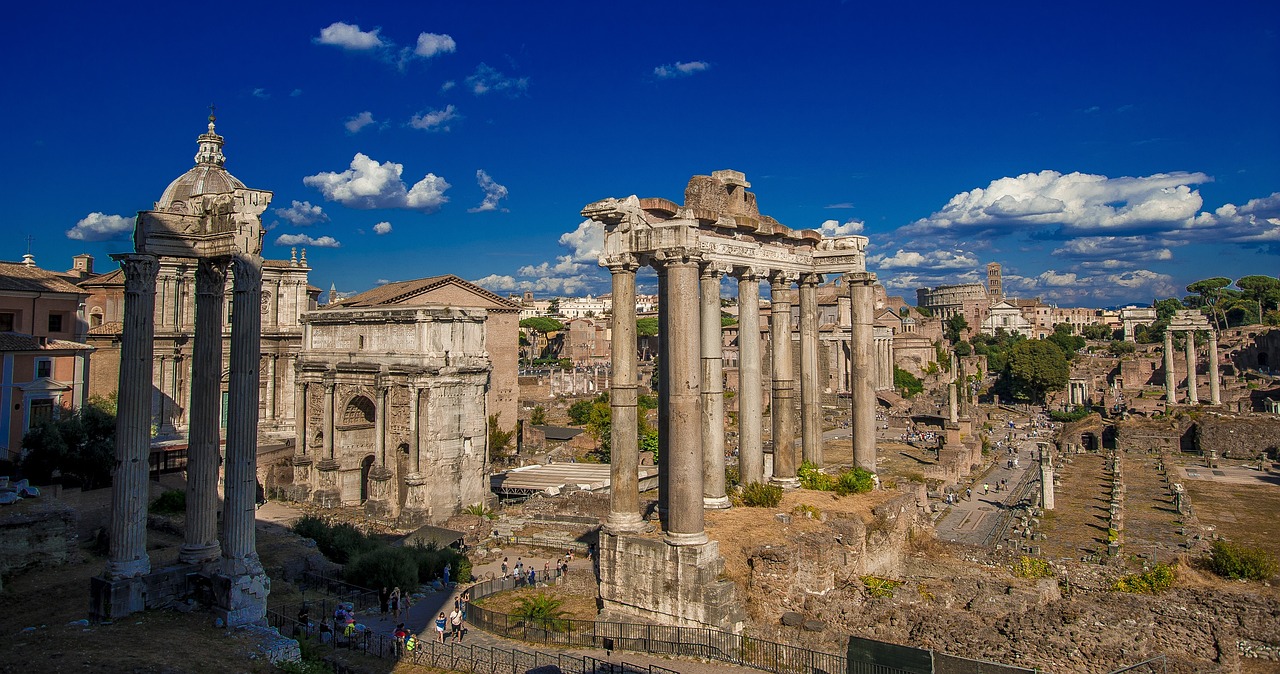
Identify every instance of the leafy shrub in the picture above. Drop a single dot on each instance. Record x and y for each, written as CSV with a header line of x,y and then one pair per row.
x,y
385,567
481,510
1031,567
880,588
542,611
1072,415
339,542
812,477
805,510
1154,581
855,481
171,502
731,477
757,495
1113,536
1240,563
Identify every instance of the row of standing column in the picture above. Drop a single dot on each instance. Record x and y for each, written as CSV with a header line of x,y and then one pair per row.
x,y
691,398
1170,383
127,556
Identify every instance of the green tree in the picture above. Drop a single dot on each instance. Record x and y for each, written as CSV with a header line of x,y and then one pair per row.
x,y
81,446
1035,368
538,417
1120,347
1096,331
906,382
1262,290
954,328
541,611
647,326
1066,341
1211,291
540,325
499,440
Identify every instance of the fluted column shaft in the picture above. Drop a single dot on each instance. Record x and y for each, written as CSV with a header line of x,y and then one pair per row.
x,y
127,551
300,416
380,427
270,407
624,459
415,434
239,552
683,376
750,399
782,409
1193,398
201,543
713,491
1170,394
1215,394
327,439
862,385
810,407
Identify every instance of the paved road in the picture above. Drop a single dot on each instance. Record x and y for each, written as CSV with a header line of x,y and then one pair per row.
x,y
971,521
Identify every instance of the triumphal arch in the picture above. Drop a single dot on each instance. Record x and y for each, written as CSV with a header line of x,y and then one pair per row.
x,y
208,216
718,231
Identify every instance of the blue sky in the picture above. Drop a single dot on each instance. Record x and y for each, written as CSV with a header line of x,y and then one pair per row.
x,y
1104,153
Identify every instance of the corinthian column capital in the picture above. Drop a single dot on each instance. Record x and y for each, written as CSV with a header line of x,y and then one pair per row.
x,y
211,276
139,272
621,262
677,255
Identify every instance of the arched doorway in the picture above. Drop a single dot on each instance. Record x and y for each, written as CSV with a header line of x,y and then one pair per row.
x,y
402,469
364,477
1090,442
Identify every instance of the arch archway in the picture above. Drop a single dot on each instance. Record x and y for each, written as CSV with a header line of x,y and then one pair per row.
x,y
365,466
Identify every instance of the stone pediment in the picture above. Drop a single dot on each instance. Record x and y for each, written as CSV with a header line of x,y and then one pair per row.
x,y
44,385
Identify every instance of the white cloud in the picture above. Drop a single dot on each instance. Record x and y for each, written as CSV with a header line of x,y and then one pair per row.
x,y
449,84
349,36
261,93
430,44
928,260
101,227
1256,222
486,79
680,69
1073,203
835,228
842,204
493,193
1131,248
302,213
358,122
382,228
369,184
574,273
295,93
304,240
434,120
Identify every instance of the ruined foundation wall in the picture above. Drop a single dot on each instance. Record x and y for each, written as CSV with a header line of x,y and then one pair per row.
x,y
1243,437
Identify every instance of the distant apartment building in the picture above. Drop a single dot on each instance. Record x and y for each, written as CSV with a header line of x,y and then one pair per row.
x,y
44,360
583,307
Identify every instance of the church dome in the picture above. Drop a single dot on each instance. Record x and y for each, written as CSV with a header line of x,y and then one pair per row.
x,y
207,177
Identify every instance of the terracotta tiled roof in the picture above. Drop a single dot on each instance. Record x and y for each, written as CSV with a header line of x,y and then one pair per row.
x,y
108,328
394,293
15,276
17,341
110,278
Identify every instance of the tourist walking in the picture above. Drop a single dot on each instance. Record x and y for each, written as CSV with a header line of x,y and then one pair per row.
x,y
395,602
455,624
384,598
441,621
985,488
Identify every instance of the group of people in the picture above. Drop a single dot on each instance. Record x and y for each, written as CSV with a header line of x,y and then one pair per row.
x,y
393,601
453,622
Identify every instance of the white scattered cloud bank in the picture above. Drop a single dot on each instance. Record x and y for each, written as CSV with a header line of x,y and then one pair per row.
x,y
349,36
836,228
430,44
934,259
487,79
382,228
261,93
370,184
680,69
576,272
101,227
302,213
358,122
304,240
493,194
434,120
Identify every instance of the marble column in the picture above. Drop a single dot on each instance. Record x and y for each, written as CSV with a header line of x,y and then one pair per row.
x,y
1046,476
683,376
203,445
327,422
127,550
302,461
415,438
810,405
862,386
1170,395
380,502
1215,394
417,499
1193,398
953,403
270,406
713,485
624,459
750,397
782,409
244,601
843,316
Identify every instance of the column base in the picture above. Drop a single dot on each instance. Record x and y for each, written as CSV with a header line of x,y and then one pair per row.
x,y
200,554
110,598
625,523
681,540
240,590
379,504
716,502
641,577
132,568
787,483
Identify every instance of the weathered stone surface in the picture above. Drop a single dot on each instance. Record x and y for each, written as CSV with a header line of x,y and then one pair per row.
x,y
792,619
36,533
